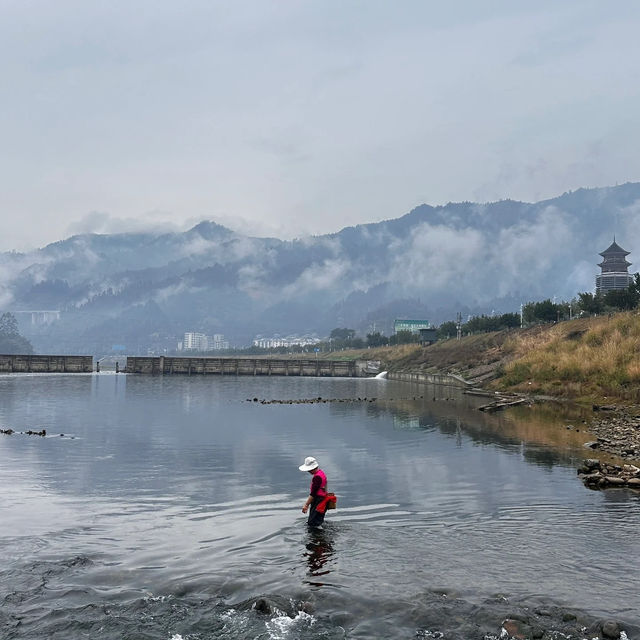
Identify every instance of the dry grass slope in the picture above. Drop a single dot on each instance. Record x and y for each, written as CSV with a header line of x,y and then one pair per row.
x,y
586,358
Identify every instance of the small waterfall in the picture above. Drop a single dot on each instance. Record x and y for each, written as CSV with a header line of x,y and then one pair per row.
x,y
382,375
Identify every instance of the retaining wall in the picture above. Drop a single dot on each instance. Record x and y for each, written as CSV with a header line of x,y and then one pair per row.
x,y
448,379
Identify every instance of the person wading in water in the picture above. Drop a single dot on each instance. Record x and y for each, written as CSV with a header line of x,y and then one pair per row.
x,y
316,503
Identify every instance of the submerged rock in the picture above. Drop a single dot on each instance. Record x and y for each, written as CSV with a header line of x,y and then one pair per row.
x,y
611,629
270,605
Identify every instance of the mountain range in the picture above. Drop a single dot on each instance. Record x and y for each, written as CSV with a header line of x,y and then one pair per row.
x,y
144,290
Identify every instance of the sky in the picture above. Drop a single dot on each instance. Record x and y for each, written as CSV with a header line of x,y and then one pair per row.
x,y
290,118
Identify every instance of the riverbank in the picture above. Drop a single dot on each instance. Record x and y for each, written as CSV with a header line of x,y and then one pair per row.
x,y
587,361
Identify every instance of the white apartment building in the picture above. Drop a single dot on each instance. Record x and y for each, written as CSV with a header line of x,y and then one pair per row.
x,y
195,342
200,342
218,343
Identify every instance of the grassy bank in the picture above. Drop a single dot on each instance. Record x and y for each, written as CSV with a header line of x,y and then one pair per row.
x,y
594,359
591,358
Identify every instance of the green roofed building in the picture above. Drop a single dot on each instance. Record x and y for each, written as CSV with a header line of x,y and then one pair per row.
x,y
410,325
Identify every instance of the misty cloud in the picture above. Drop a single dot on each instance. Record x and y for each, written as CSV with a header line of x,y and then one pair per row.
x,y
319,277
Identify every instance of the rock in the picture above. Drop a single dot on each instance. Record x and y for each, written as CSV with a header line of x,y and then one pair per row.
x,y
514,628
611,629
615,480
269,605
591,464
634,483
592,478
567,616
591,445
262,605
631,468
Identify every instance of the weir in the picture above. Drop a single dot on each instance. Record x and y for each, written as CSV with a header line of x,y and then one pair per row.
x,y
45,364
167,365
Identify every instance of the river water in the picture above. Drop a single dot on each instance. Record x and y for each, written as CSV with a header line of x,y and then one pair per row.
x,y
169,505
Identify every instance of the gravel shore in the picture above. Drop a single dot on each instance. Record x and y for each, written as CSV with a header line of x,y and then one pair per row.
x,y
617,429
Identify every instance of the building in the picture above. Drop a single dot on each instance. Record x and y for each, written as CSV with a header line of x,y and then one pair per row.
x,y
195,342
218,343
428,336
614,270
200,342
290,341
410,325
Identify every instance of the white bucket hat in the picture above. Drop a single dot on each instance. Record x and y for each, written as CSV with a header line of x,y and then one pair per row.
x,y
310,463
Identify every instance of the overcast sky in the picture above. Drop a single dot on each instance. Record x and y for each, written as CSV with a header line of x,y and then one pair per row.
x,y
294,117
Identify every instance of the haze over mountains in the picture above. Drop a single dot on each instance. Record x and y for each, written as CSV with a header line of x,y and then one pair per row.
x,y
144,290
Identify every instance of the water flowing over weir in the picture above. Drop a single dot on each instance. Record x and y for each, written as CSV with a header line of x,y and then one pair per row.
x,y
170,509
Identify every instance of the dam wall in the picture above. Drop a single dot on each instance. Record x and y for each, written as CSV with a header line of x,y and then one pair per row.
x,y
169,365
45,364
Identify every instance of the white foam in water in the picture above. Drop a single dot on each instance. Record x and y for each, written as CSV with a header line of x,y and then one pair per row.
x,y
281,626
176,636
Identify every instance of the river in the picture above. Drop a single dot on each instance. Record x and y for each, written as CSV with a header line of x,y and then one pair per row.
x,y
162,508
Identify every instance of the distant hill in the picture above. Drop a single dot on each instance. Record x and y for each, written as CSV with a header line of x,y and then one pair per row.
x,y
143,290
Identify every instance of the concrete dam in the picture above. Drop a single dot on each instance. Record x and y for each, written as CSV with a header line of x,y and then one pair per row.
x,y
168,365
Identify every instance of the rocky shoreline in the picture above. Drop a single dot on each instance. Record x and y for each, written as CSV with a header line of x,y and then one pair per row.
x,y
617,429
600,475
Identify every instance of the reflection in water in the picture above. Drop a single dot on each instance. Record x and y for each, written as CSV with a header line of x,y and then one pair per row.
x,y
176,491
319,553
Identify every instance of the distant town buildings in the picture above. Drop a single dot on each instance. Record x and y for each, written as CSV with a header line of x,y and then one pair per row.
x,y
414,326
614,270
288,341
194,341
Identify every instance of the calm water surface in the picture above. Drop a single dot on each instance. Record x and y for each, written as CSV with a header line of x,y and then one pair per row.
x,y
169,504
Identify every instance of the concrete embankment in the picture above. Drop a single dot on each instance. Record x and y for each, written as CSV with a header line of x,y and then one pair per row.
x,y
45,364
447,379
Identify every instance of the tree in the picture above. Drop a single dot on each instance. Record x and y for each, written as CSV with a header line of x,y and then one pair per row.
x,y
590,303
510,320
342,334
545,311
11,342
8,325
376,339
622,299
447,330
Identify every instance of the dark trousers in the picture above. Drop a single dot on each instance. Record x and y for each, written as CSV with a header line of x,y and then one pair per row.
x,y
315,518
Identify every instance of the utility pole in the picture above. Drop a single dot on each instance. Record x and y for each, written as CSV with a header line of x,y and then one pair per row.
x,y
521,315
458,326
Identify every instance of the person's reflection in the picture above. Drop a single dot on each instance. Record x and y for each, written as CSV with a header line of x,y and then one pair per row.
x,y
319,551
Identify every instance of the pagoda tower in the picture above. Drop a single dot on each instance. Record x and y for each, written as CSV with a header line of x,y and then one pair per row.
x,y
614,270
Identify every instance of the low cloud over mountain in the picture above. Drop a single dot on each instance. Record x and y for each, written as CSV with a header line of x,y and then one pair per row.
x,y
140,289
